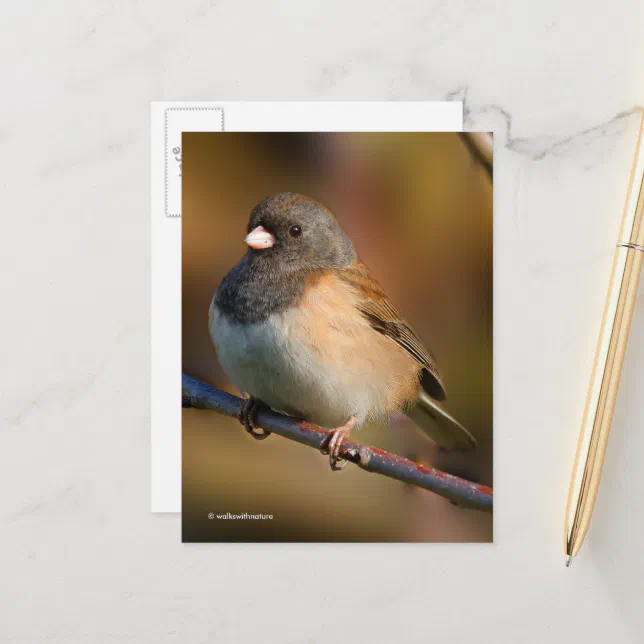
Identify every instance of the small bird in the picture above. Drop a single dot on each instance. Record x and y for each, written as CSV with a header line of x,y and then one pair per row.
x,y
301,326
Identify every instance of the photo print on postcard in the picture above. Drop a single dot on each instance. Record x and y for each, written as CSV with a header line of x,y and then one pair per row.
x,y
337,337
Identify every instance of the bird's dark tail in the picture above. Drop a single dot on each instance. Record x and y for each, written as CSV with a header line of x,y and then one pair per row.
x,y
439,425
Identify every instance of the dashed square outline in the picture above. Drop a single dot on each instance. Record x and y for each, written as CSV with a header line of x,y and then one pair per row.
x,y
165,146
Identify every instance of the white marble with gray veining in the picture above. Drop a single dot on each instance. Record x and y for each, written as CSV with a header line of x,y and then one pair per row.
x,y
82,558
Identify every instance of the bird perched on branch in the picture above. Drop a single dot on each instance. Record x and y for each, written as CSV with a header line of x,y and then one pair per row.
x,y
300,325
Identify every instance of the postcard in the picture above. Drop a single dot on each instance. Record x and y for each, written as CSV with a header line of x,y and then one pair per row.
x,y
336,304
168,122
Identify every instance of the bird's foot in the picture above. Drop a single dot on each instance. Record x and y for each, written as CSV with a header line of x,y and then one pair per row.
x,y
247,417
333,442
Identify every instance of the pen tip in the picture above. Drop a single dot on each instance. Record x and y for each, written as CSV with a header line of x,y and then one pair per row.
x,y
569,560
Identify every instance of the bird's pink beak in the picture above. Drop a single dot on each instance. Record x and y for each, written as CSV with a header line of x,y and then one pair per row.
x,y
259,238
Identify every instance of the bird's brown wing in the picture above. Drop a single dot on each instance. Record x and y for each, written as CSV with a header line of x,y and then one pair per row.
x,y
384,318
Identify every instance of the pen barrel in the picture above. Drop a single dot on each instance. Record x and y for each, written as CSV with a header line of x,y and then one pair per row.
x,y
609,356
602,394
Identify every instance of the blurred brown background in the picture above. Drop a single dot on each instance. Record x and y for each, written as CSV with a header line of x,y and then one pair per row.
x,y
419,210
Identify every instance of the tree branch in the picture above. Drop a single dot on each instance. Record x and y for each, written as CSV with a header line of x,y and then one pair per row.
x,y
199,395
480,147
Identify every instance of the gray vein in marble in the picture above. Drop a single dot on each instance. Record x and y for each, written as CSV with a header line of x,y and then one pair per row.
x,y
539,147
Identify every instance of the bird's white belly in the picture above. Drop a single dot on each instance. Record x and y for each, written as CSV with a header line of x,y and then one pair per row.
x,y
270,361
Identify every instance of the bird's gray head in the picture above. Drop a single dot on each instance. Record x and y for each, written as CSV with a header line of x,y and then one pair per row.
x,y
298,234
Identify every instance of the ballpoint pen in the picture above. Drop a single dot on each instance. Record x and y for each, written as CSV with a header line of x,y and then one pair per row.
x,y
609,356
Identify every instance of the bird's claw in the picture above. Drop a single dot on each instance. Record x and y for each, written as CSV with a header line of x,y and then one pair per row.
x,y
247,417
332,443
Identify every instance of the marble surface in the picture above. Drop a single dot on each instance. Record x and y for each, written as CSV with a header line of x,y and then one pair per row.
x,y
82,558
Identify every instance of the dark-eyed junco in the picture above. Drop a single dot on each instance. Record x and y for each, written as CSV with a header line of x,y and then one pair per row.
x,y
300,325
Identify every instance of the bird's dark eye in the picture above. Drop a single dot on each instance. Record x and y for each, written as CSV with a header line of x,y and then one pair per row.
x,y
295,231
